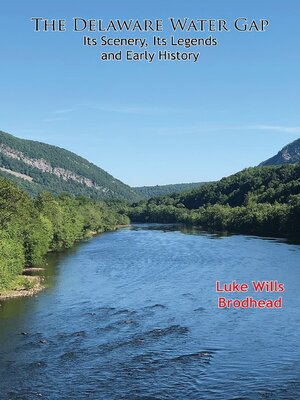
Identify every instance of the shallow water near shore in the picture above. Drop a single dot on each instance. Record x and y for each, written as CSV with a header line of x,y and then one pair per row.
x,y
133,314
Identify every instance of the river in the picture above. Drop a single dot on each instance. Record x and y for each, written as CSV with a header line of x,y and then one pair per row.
x,y
133,315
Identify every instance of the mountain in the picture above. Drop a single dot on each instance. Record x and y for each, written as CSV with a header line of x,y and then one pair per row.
x,y
38,167
161,190
290,154
257,201
268,184
259,184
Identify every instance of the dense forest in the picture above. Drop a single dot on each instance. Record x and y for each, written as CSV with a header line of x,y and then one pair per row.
x,y
147,192
30,227
260,201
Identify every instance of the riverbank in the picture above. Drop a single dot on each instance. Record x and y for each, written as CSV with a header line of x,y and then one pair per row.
x,y
32,227
28,284
24,286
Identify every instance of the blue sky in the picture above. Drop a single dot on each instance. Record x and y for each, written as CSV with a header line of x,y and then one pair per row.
x,y
159,123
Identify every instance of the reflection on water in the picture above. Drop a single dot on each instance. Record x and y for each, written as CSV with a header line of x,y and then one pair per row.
x,y
132,315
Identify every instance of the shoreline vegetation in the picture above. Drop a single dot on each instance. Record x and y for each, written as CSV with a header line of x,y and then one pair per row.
x,y
32,227
28,284
24,286
261,201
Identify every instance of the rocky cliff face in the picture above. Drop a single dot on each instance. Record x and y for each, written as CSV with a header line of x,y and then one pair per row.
x,y
44,166
290,154
38,167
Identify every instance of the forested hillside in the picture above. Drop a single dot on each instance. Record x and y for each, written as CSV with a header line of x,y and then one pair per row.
x,y
38,167
30,227
161,190
261,200
258,185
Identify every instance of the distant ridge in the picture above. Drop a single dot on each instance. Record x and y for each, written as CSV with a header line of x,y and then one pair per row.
x,y
162,190
38,167
290,154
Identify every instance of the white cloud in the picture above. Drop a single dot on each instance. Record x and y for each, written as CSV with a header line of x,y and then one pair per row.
x,y
131,109
121,109
53,119
65,111
205,128
275,128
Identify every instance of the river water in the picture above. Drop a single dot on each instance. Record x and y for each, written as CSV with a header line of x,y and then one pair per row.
x,y
133,315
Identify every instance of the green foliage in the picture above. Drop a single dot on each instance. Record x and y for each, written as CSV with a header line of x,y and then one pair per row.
x,y
11,258
23,282
14,203
294,217
146,192
262,184
37,236
260,201
105,186
29,228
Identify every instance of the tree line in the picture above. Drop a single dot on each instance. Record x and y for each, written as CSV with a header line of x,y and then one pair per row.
x,y
147,192
259,201
31,227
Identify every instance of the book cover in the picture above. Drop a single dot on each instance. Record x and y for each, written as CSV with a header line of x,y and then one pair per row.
x,y
149,200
